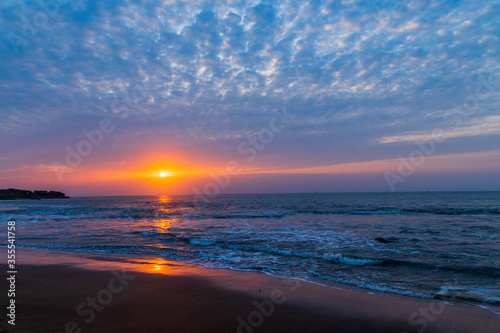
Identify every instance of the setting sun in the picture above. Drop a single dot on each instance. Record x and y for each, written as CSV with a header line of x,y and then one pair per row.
x,y
164,174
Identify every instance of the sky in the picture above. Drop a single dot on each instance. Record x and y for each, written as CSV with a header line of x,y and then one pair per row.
x,y
209,97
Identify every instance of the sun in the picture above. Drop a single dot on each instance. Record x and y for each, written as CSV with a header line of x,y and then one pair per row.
x,y
165,174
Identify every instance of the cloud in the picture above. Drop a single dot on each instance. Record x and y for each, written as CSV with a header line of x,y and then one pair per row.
x,y
482,126
471,162
206,74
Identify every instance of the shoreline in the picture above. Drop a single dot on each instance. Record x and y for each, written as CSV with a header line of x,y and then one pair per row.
x,y
192,298
88,260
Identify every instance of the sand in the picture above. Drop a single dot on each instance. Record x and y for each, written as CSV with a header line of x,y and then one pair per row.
x,y
68,293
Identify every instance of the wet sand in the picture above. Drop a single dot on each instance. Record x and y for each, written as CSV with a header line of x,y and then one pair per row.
x,y
67,293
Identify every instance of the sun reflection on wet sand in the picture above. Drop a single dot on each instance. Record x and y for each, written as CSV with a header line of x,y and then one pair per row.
x,y
158,265
105,262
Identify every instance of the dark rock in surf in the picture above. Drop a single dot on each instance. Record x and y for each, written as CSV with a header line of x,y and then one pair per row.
x,y
382,240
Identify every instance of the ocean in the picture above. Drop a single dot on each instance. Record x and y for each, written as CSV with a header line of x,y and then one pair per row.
x,y
433,245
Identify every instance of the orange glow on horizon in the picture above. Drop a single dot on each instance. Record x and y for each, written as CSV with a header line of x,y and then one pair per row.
x,y
153,173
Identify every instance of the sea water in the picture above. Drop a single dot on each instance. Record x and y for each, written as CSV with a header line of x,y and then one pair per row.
x,y
433,245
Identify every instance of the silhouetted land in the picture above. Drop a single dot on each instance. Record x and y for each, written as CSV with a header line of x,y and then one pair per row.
x,y
15,194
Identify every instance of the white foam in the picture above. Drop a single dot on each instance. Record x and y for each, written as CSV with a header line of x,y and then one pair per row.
x,y
349,261
199,241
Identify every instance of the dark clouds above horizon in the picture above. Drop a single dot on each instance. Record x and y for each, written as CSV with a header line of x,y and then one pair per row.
x,y
362,78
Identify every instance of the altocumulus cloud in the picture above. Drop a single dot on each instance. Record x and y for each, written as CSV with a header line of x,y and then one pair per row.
x,y
352,72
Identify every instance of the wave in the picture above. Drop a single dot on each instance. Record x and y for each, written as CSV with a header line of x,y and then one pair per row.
x,y
251,215
349,261
405,211
374,211
489,271
445,293
200,241
52,214
149,233
479,295
330,257
452,293
373,286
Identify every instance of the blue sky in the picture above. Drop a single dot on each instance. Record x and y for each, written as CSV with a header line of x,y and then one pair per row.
x,y
364,80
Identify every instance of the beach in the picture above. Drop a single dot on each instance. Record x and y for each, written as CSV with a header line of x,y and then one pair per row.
x,y
249,166
64,292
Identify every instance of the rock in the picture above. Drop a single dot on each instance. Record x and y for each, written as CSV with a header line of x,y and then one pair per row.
x,y
382,240
15,194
